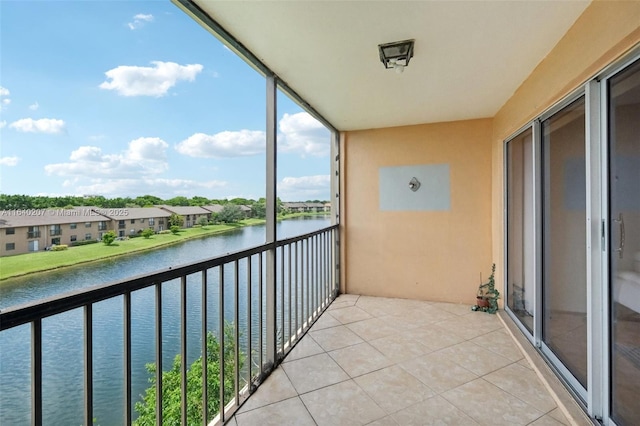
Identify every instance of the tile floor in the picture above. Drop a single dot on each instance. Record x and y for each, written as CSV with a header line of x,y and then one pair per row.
x,y
379,361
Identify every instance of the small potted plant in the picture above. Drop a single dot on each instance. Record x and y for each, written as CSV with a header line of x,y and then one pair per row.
x,y
487,296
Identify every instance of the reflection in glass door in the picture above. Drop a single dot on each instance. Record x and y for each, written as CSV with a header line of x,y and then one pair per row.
x,y
564,265
520,228
624,244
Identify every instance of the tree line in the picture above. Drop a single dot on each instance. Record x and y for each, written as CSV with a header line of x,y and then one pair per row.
x,y
21,202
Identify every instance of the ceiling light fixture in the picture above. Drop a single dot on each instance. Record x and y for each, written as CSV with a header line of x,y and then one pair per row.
x,y
396,55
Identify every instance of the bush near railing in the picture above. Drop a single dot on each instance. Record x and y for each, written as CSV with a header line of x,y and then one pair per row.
x,y
171,385
59,247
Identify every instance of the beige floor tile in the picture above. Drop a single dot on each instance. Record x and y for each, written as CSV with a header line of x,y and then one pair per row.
x,y
385,421
288,412
525,363
433,411
276,388
325,321
339,305
399,347
433,337
500,342
335,338
304,348
359,359
350,314
314,372
454,308
351,298
471,325
438,373
489,405
475,358
419,317
393,389
373,328
523,384
546,420
558,415
342,404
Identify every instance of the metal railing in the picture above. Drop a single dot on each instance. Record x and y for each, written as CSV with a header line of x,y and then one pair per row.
x,y
33,234
231,290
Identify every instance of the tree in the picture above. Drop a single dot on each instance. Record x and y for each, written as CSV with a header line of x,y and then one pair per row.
x,y
171,379
176,220
108,238
147,233
178,201
174,229
230,213
259,210
203,221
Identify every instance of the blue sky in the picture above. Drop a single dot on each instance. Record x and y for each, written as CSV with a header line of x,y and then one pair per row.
x,y
123,99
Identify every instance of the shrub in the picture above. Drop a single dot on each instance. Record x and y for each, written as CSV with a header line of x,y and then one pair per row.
x,y
147,233
174,229
108,238
83,243
59,247
171,381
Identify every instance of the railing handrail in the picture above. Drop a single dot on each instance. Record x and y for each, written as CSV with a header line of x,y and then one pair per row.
x,y
16,315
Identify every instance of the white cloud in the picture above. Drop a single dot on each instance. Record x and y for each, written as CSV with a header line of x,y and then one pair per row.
x,y
3,124
9,161
305,188
299,134
43,125
144,157
35,106
139,20
4,100
163,188
302,134
149,81
224,144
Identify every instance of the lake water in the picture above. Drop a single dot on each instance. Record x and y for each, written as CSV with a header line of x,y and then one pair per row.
x,y
63,334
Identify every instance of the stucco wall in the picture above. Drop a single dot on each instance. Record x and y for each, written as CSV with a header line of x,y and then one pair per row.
x,y
602,34
430,255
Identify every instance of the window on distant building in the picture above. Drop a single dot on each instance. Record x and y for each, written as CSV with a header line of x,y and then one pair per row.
x,y
87,237
74,238
152,221
33,232
55,230
11,231
10,246
73,225
87,224
133,221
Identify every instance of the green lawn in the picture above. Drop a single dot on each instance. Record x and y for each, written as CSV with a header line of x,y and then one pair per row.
x,y
11,266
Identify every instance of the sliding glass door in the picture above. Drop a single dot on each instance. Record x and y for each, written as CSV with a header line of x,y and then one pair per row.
x,y
624,244
564,263
521,228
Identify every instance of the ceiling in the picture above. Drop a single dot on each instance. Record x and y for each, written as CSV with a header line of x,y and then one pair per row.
x,y
469,56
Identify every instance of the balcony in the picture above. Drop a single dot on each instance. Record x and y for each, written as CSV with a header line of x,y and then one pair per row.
x,y
33,234
55,232
265,298
373,360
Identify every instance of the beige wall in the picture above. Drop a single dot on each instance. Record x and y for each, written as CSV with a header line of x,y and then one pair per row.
x,y
603,33
439,255
431,255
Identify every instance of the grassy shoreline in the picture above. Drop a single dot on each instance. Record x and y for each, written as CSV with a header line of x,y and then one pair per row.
x,y
43,261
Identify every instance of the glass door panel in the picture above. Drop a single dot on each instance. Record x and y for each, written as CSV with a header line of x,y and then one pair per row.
x,y
624,244
520,228
564,265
